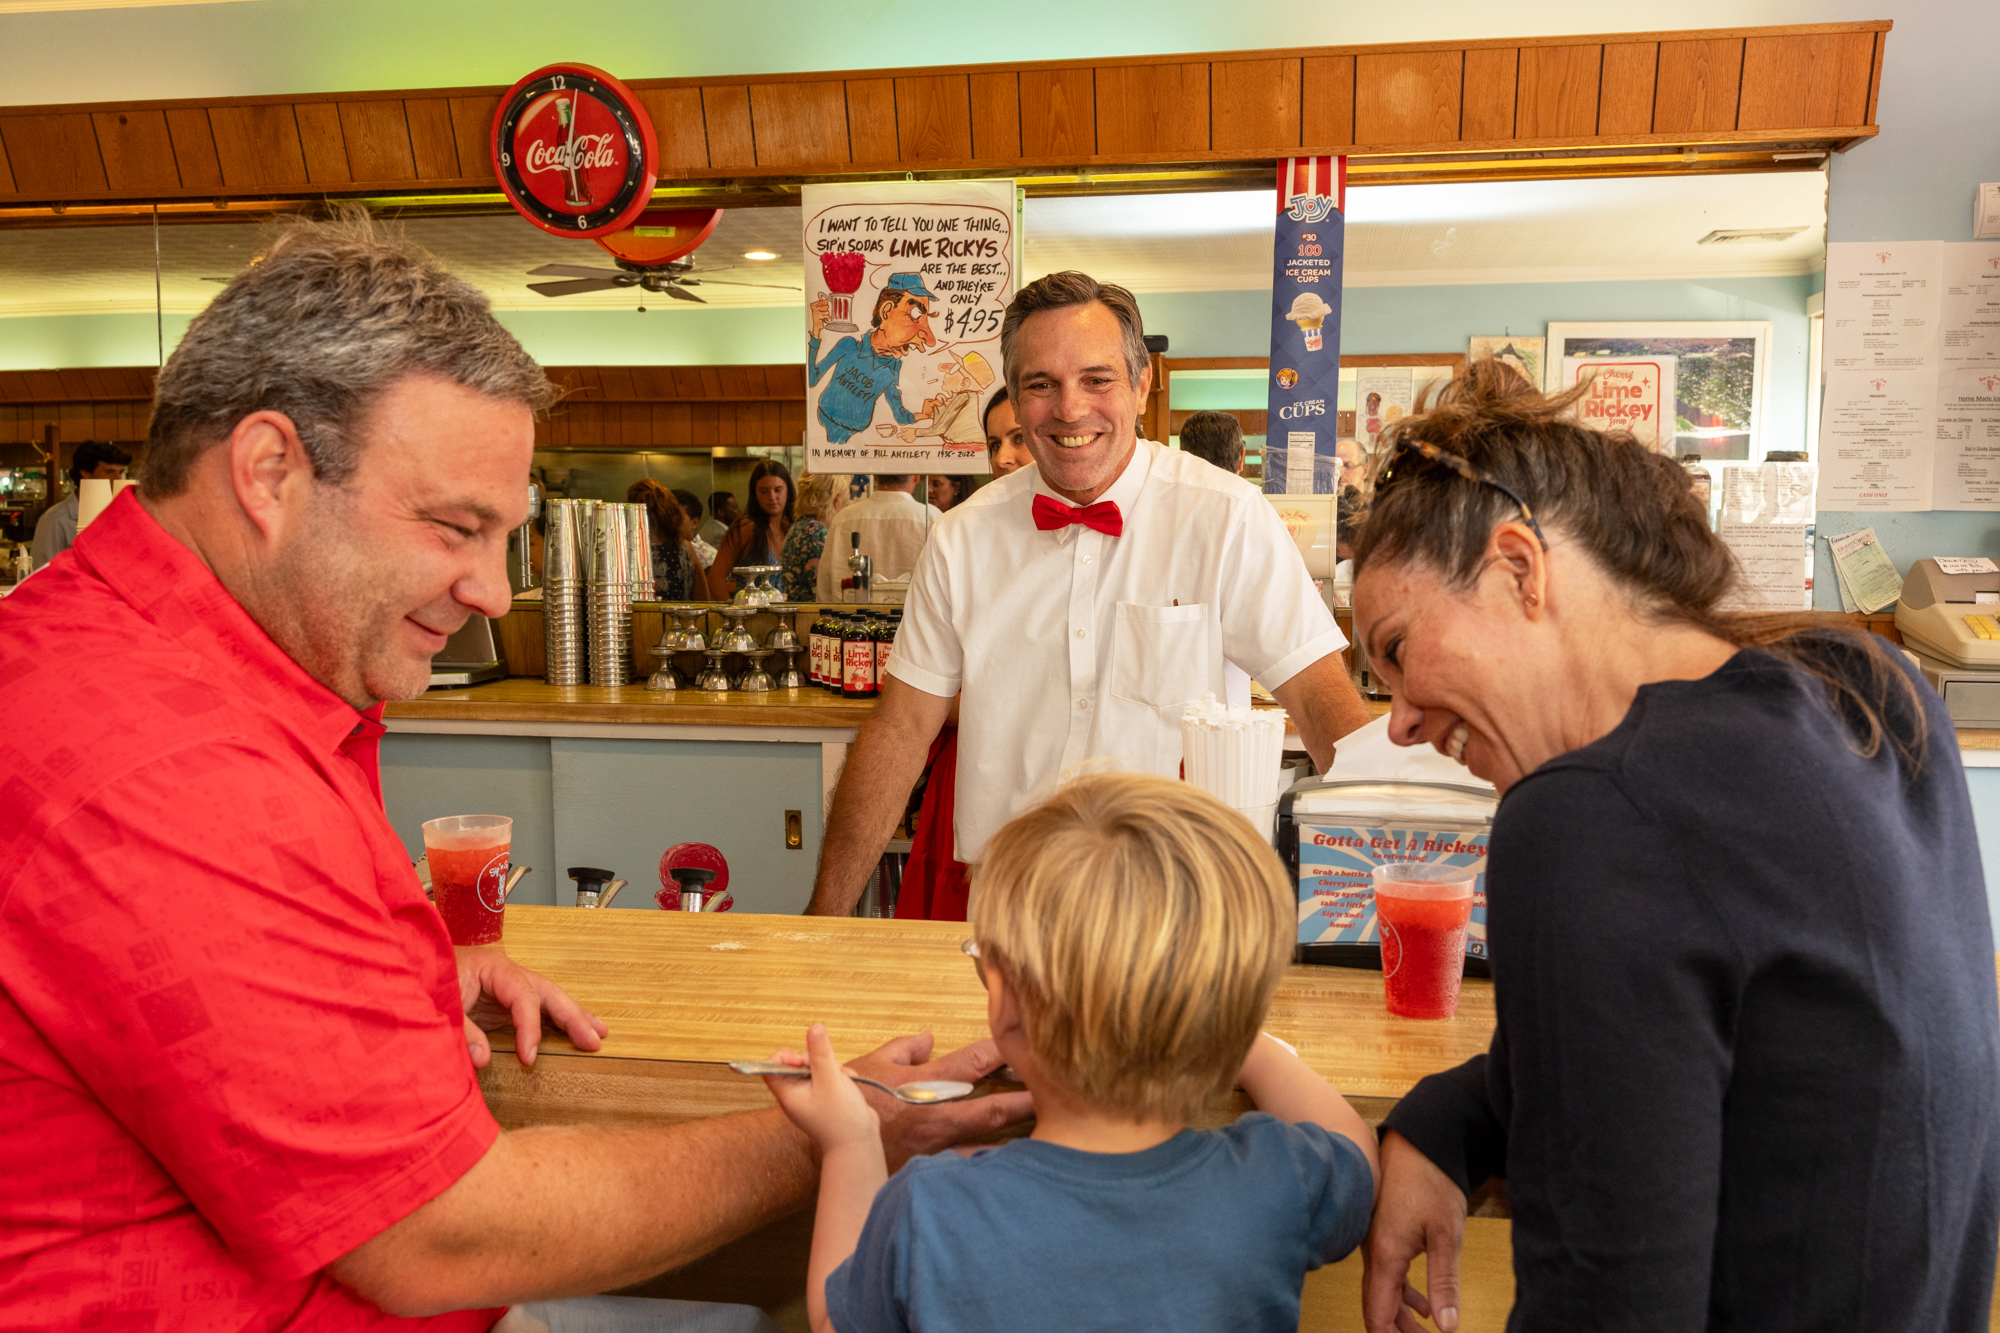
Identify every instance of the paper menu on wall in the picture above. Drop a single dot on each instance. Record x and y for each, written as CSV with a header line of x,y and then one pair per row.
x,y
1969,326
1882,308
1866,569
1877,439
1765,514
1965,469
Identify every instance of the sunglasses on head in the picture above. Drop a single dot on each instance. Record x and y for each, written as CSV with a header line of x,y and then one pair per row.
x,y
1430,453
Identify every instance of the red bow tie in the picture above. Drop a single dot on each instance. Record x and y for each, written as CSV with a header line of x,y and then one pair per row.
x,y
1103,516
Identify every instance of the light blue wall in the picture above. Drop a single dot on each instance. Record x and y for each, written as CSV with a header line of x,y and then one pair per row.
x,y
1440,319
1939,107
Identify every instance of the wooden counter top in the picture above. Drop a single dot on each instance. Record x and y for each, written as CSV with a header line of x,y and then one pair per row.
x,y
526,700
710,989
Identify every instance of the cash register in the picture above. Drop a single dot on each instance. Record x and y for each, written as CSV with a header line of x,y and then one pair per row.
x,y
1949,616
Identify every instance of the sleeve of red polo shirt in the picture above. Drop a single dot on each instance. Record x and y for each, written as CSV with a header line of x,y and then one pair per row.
x,y
211,947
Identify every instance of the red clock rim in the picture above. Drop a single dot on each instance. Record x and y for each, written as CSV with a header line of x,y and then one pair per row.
x,y
648,141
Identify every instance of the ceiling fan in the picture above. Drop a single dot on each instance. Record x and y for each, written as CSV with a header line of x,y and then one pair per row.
x,y
671,279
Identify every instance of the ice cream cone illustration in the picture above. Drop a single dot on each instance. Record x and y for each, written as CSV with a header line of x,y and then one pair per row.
x,y
1309,312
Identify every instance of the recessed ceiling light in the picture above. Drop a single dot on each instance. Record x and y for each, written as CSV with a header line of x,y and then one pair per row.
x,y
758,254
1749,235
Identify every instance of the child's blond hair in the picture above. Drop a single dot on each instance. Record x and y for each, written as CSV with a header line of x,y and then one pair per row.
x,y
1144,926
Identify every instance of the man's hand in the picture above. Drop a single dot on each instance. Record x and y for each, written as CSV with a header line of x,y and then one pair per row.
x,y
1418,1211
497,991
882,766
913,1131
817,315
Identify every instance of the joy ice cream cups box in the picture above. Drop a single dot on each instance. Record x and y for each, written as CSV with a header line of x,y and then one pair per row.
x,y
1332,834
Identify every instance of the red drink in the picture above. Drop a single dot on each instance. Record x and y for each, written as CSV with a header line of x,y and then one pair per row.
x,y
1423,909
468,856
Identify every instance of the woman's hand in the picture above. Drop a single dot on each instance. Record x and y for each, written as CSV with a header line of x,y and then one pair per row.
x,y
829,1106
1418,1211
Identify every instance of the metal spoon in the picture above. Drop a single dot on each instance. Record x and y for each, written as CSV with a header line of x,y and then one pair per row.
x,y
918,1094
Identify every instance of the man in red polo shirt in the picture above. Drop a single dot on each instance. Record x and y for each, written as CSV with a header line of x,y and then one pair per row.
x,y
235,1090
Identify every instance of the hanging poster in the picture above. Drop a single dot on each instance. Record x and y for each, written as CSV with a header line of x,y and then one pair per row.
x,y
1304,396
1382,397
906,285
1634,394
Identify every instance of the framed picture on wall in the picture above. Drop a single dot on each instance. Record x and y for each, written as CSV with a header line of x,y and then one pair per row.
x,y
1524,354
1720,370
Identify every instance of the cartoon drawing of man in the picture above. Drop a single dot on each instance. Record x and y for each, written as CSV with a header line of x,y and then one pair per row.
x,y
866,367
954,412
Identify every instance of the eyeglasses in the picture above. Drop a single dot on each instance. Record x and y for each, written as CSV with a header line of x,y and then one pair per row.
x,y
1431,453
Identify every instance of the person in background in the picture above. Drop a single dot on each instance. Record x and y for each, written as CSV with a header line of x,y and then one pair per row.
x,y
1216,437
675,570
1006,445
1130,932
55,531
704,553
821,496
1745,1073
946,492
893,526
757,537
723,512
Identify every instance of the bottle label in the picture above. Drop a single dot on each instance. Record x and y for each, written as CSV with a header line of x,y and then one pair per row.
x,y
858,659
815,658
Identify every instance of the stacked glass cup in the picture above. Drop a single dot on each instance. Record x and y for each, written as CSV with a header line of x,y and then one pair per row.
x,y
563,581
608,596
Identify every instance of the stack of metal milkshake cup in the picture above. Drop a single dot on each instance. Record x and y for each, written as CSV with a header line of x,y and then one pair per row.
x,y
597,560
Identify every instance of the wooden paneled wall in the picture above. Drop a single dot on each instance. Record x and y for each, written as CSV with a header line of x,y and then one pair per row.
x,y
1814,82
665,407
604,407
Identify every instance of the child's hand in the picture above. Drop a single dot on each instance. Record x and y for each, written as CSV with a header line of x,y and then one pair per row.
x,y
829,1107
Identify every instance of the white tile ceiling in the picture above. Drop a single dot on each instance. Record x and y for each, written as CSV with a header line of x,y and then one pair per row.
x,y
1542,231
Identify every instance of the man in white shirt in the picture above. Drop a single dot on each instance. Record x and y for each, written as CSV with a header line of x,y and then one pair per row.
x,y
893,524
55,532
1077,606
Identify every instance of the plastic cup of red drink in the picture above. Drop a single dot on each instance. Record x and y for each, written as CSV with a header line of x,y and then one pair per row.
x,y
468,857
1423,908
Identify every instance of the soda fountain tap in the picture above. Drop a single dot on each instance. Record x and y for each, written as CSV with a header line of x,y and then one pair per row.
x,y
861,568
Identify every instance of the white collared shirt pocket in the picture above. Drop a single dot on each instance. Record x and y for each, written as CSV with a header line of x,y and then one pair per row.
x,y
1163,656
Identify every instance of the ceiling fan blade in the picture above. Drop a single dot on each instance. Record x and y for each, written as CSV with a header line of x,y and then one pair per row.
x,y
682,294
575,286
574,271
776,287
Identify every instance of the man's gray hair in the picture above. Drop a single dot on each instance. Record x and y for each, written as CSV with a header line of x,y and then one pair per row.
x,y
332,315
1070,288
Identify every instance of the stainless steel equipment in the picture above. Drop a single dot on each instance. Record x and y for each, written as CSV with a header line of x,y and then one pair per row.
x,y
525,535
760,590
1951,622
736,636
694,882
861,569
594,887
756,680
468,657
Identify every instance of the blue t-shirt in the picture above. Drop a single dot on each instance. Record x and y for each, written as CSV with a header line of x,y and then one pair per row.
x,y
1212,1229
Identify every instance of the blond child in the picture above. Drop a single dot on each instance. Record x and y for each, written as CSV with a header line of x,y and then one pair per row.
x,y
1130,932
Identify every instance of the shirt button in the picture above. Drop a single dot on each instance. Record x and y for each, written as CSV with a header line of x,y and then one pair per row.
x,y
1079,634
1087,559
1083,703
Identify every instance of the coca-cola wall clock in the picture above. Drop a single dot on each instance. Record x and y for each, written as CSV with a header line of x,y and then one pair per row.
x,y
574,151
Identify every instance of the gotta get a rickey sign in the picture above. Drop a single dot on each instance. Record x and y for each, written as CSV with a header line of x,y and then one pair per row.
x,y
574,151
